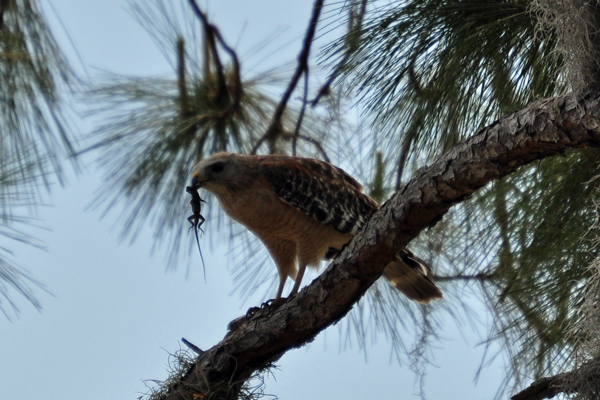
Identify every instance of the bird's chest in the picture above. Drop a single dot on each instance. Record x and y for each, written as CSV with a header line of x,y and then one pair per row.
x,y
262,211
268,216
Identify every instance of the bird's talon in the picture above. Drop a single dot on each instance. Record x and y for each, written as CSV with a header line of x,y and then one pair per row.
x,y
272,304
252,311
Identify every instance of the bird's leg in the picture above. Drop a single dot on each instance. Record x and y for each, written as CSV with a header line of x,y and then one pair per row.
x,y
278,300
282,279
273,303
299,276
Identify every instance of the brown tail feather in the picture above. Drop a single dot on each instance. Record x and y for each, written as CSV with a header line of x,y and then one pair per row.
x,y
409,275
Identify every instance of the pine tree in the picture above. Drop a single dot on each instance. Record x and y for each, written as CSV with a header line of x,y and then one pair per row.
x,y
35,140
468,103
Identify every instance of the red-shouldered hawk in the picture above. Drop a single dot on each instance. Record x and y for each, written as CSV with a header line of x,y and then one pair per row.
x,y
303,210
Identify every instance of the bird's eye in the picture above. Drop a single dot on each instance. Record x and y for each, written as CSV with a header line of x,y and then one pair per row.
x,y
217,167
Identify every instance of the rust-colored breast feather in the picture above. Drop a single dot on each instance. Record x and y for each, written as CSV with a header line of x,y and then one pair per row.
x,y
320,190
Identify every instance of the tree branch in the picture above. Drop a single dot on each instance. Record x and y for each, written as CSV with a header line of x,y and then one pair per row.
x,y
276,126
542,129
482,277
212,32
570,382
544,388
317,144
184,99
355,21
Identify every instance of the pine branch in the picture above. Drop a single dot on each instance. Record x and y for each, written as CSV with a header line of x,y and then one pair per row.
x,y
544,388
184,98
578,380
542,129
212,35
276,127
482,277
355,21
316,143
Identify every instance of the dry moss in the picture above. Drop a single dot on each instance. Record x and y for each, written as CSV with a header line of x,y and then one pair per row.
x,y
175,387
576,24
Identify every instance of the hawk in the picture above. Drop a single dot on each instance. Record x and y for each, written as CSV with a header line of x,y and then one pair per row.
x,y
304,211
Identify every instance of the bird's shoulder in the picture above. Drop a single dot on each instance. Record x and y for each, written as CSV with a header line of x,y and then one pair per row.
x,y
319,189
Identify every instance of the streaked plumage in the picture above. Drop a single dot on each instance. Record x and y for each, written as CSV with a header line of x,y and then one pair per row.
x,y
304,211
321,190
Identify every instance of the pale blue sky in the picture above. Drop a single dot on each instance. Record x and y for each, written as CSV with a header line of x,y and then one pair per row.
x,y
115,313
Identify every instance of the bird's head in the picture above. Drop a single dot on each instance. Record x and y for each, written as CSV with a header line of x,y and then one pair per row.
x,y
221,171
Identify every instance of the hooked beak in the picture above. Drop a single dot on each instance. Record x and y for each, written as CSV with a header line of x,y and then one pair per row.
x,y
197,181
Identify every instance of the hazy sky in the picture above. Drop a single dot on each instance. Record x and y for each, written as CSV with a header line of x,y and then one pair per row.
x,y
115,313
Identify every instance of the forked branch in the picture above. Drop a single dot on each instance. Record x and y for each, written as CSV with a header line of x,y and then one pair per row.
x,y
212,36
275,129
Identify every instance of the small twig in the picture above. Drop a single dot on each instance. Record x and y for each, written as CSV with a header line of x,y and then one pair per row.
x,y
184,99
312,141
302,111
213,32
192,346
257,145
354,26
276,127
477,277
402,161
410,136
209,31
236,64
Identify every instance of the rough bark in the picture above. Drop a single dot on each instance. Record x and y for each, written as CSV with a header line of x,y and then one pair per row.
x,y
543,388
544,128
581,380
